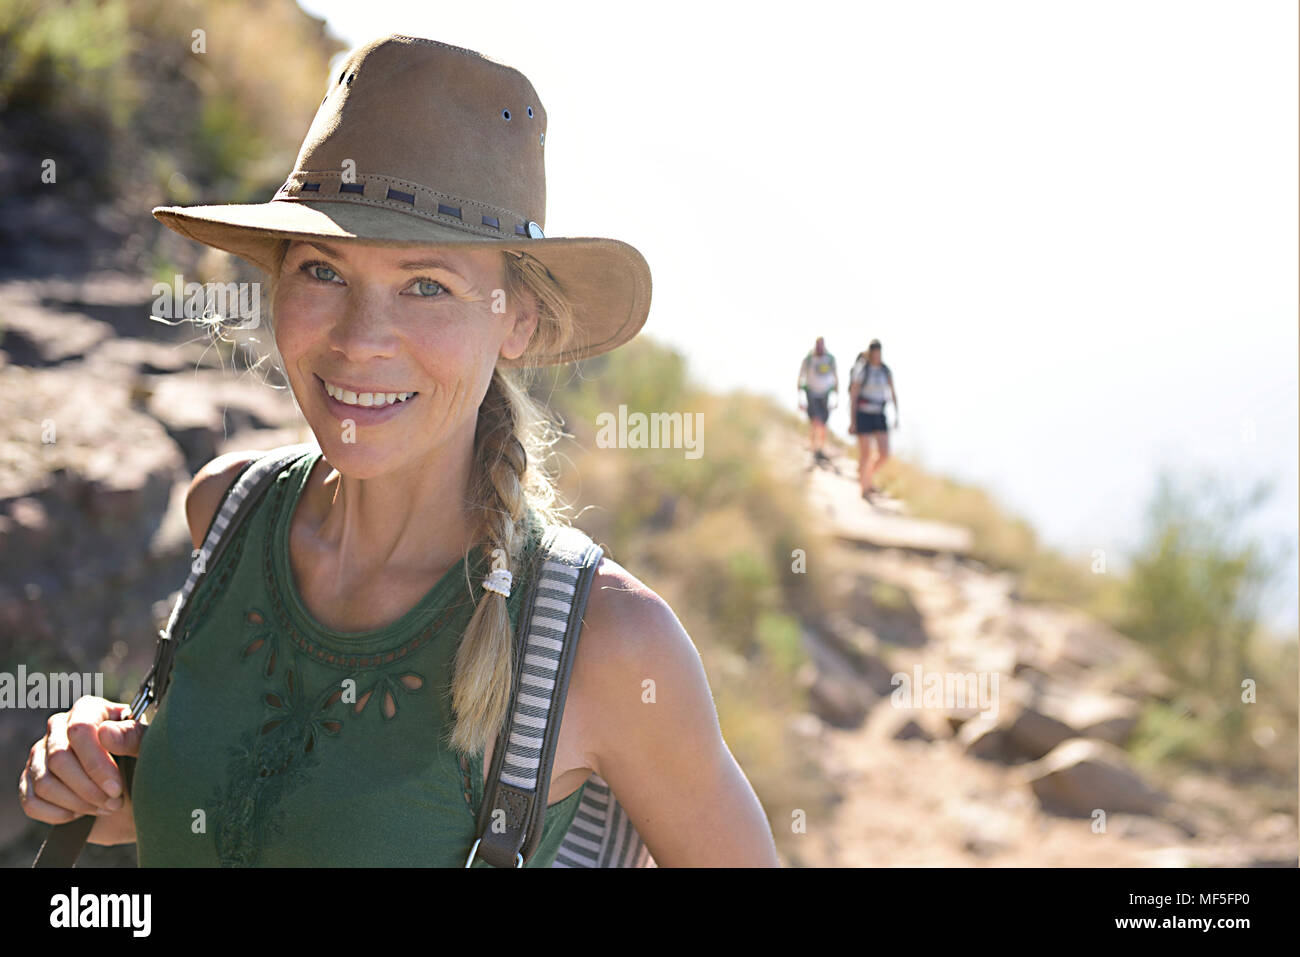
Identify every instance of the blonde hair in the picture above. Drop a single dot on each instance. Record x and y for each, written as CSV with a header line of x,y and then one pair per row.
x,y
508,478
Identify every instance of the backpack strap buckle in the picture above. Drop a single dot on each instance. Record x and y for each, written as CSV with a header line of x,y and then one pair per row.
x,y
519,857
155,681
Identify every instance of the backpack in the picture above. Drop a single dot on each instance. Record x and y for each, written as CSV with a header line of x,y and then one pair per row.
x,y
515,796
860,372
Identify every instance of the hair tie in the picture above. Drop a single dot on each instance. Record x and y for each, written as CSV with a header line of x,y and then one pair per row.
x,y
498,581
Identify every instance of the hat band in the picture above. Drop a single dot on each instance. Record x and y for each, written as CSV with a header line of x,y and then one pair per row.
x,y
388,192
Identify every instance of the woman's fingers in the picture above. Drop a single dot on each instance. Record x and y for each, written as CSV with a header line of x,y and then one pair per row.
x,y
70,772
74,755
43,811
45,797
122,737
60,762
85,720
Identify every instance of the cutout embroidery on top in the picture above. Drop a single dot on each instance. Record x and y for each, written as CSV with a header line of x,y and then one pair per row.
x,y
272,760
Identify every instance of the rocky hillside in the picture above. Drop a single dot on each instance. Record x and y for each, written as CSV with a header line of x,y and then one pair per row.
x,y
1042,779
109,415
107,110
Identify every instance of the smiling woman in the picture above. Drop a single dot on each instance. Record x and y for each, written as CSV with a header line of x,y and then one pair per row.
x,y
348,667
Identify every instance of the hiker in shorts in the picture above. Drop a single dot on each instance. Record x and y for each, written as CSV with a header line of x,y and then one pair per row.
x,y
871,386
819,382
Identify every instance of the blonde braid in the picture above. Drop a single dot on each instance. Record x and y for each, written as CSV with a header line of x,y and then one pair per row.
x,y
484,665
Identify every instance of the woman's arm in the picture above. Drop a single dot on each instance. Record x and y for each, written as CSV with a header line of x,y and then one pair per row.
x,y
653,733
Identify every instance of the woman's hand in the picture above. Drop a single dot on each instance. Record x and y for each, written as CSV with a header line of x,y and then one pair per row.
x,y
70,772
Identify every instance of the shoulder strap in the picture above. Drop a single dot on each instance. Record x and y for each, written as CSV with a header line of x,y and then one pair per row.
x,y
240,500
514,800
65,841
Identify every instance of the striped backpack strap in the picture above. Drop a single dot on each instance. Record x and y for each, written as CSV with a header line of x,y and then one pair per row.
x,y
514,799
601,834
65,841
241,498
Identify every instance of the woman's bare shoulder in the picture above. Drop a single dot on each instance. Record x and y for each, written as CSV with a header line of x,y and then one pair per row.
x,y
631,636
625,617
208,489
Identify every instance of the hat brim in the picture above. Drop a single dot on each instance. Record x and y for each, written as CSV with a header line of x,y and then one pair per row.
x,y
607,281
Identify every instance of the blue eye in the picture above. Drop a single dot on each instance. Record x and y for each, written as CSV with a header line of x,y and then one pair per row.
x,y
428,288
422,284
310,270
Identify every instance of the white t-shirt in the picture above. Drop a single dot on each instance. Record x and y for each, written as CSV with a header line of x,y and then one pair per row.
x,y
875,388
819,373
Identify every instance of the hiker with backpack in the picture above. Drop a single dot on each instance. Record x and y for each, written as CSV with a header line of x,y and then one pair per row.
x,y
818,387
382,629
870,388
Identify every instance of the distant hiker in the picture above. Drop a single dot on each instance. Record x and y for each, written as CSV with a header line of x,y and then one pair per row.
x,y
871,386
819,381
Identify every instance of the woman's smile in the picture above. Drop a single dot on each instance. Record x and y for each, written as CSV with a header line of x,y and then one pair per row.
x,y
369,407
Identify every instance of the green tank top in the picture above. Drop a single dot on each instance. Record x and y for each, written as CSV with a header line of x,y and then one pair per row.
x,y
282,743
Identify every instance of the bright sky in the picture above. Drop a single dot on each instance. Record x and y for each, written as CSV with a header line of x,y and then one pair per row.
x,y
1073,225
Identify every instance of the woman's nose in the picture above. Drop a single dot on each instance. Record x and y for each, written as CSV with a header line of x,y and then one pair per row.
x,y
364,329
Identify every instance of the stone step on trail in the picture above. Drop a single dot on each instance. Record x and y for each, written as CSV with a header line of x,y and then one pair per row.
x,y
838,500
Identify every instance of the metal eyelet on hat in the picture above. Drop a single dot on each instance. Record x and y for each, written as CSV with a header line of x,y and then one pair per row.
x,y
530,111
506,114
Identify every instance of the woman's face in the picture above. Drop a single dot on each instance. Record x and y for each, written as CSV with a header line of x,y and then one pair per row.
x,y
390,350
873,357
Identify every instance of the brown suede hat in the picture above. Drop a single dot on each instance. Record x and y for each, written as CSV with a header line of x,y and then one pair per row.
x,y
421,142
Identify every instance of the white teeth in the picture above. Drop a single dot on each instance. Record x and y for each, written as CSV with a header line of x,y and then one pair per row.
x,y
366,399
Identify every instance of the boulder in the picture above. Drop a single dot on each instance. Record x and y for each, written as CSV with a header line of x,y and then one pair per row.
x,y
839,702
860,648
1083,774
882,607
200,409
36,336
983,737
1031,733
1091,714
